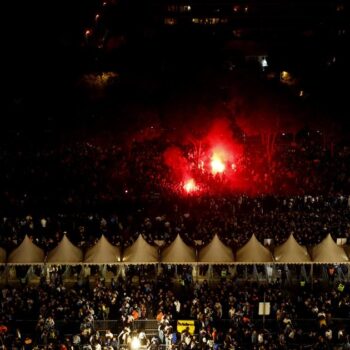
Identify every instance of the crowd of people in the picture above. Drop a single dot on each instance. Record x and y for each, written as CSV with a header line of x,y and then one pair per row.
x,y
124,189
226,314
233,218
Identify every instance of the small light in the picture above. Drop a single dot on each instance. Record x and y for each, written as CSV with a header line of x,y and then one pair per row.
x,y
88,32
301,93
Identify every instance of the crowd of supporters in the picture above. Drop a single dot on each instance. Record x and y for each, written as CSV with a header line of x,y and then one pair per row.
x,y
233,218
124,189
121,190
226,314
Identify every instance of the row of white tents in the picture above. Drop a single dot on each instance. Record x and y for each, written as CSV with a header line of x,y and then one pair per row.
x,y
141,252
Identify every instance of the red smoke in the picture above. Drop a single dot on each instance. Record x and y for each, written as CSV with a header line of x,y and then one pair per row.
x,y
223,151
215,153
178,164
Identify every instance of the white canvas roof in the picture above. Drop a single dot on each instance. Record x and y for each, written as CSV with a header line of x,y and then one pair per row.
x,y
102,252
328,252
26,253
215,253
291,252
140,252
65,253
253,252
178,253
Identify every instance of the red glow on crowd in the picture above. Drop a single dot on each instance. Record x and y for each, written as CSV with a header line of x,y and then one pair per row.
x,y
190,186
215,153
176,161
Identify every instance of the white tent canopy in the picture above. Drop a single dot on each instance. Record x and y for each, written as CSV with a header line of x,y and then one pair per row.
x,y
140,252
26,253
253,252
178,253
102,252
215,253
65,253
328,252
291,252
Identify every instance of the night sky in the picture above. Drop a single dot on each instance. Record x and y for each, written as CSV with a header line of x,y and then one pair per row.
x,y
46,54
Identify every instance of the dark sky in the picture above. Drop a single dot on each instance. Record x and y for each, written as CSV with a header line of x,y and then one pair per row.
x,y
44,57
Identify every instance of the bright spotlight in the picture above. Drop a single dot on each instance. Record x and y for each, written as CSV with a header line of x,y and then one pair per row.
x,y
135,343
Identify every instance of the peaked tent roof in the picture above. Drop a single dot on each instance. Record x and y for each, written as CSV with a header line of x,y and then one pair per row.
x,y
291,252
347,249
141,252
215,253
26,253
178,253
2,255
102,252
65,253
328,252
253,252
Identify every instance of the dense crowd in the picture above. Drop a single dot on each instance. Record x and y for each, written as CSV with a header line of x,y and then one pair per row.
x,y
226,314
125,189
233,218
121,190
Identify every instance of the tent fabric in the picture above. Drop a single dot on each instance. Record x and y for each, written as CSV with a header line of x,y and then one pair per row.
x,y
291,252
2,256
215,253
102,252
140,252
347,249
253,252
27,253
65,253
178,253
328,252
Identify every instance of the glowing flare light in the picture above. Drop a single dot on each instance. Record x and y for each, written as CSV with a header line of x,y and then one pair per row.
x,y
217,165
190,186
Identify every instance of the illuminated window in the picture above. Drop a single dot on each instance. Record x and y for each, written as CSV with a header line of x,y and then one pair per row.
x,y
246,9
169,21
179,8
185,8
205,21
264,63
236,8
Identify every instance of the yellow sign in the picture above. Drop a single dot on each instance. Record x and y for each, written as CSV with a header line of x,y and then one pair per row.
x,y
341,287
183,324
